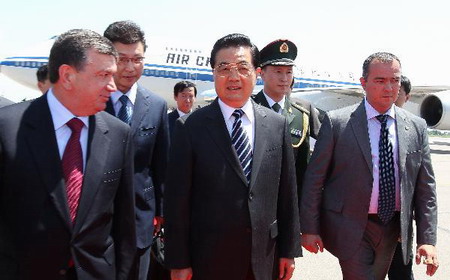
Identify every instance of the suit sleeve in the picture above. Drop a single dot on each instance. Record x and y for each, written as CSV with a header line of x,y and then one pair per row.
x,y
314,122
159,160
177,205
124,233
425,197
315,178
287,216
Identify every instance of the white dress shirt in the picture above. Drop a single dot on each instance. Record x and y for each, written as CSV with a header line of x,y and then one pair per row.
x,y
248,119
60,116
131,94
374,127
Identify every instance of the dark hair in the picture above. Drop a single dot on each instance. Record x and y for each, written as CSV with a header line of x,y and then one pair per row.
x,y
380,56
406,84
235,40
42,73
125,32
71,48
180,86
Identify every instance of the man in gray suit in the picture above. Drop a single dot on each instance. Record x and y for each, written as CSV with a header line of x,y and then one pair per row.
x,y
367,175
230,201
146,113
5,102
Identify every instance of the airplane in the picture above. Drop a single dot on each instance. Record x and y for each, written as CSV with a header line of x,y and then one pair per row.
x,y
167,63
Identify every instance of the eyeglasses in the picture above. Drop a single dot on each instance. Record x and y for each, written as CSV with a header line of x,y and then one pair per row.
x,y
225,69
125,60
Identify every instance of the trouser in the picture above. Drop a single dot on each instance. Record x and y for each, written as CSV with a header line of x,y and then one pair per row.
x,y
374,254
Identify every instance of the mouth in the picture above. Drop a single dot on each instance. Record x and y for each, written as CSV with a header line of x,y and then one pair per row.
x,y
234,88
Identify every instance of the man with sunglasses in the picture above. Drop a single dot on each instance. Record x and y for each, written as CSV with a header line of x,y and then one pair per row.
x,y
146,113
231,202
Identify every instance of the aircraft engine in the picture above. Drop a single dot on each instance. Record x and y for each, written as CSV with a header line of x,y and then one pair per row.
x,y
435,109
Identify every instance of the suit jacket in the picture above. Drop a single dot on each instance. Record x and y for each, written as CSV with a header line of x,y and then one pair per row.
x,y
341,164
303,123
172,117
37,238
151,147
5,102
215,222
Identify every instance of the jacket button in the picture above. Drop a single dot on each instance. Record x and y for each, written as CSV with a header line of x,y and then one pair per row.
x,y
250,196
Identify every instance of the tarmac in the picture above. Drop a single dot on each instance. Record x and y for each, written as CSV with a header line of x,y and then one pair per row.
x,y
324,266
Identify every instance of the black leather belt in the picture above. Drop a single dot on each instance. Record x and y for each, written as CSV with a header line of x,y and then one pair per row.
x,y
376,219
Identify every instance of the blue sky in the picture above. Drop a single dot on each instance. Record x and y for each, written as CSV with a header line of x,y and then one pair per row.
x,y
331,35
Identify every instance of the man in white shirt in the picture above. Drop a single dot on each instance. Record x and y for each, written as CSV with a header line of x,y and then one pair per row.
x,y
231,202
369,171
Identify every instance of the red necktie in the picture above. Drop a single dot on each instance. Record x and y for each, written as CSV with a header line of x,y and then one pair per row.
x,y
72,163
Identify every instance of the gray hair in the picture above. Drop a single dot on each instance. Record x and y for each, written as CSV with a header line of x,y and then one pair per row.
x,y
383,57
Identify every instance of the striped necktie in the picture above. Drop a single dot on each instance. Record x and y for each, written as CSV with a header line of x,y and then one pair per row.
x,y
241,144
386,198
72,163
125,111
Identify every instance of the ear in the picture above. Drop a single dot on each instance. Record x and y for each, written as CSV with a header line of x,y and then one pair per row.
x,y
67,76
363,82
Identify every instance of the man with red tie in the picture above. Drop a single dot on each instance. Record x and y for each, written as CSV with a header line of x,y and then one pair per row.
x,y
66,194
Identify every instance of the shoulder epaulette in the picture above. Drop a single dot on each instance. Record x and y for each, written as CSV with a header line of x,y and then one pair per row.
x,y
300,107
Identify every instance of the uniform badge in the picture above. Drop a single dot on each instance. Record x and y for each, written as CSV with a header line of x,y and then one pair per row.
x,y
296,132
284,48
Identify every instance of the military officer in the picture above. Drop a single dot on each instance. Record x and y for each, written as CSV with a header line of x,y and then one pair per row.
x,y
277,62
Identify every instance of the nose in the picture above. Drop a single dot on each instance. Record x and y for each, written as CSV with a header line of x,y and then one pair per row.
x,y
111,85
234,74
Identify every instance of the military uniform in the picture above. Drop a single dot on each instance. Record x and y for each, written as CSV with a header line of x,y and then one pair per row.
x,y
303,123
302,117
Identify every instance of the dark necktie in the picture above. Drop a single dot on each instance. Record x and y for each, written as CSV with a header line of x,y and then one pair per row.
x,y
386,198
125,111
276,107
72,163
241,144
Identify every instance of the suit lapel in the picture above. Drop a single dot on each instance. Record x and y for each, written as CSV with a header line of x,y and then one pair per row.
x,y
219,133
403,131
287,112
42,142
358,120
98,146
261,131
141,108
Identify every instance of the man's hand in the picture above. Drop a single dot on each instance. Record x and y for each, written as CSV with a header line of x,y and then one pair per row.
x,y
312,243
181,274
157,223
286,268
430,257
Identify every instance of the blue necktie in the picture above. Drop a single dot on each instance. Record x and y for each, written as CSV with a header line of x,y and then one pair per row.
x,y
125,111
386,198
241,144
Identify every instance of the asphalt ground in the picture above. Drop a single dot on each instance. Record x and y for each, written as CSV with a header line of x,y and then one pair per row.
x,y
324,266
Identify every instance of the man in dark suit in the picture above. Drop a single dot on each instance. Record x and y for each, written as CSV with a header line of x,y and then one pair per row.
x,y
66,194
146,113
184,93
231,202
370,170
5,102
277,62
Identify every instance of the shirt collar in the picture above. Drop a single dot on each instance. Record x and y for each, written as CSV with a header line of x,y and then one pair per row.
x,y
60,114
181,113
131,94
227,111
271,101
372,113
